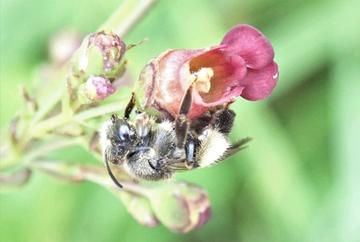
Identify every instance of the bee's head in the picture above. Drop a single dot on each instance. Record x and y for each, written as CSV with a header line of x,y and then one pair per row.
x,y
122,135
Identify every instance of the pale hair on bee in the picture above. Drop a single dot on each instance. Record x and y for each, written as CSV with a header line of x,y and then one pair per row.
x,y
154,147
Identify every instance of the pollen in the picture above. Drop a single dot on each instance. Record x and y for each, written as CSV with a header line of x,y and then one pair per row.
x,y
202,79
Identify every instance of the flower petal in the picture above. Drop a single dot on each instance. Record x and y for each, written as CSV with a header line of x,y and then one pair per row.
x,y
260,83
165,79
249,43
228,70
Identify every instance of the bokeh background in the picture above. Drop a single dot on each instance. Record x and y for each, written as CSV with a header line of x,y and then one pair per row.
x,y
299,179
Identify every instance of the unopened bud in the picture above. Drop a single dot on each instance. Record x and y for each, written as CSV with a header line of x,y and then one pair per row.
x,y
96,88
140,208
181,207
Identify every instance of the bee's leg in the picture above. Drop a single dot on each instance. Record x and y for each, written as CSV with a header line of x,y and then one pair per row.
x,y
182,122
223,120
184,142
190,152
130,106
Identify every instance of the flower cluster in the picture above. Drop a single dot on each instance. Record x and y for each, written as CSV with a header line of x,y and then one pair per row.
x,y
97,64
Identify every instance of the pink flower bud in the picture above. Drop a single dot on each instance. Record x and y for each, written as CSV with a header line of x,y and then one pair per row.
x,y
97,88
242,65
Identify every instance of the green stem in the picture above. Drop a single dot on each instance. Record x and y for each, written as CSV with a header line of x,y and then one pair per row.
x,y
127,16
92,173
99,111
50,146
52,123
49,102
47,125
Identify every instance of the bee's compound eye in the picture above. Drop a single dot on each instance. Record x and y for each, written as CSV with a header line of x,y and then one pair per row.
x,y
125,132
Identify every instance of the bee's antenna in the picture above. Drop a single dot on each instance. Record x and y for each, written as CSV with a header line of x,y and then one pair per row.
x,y
130,106
111,174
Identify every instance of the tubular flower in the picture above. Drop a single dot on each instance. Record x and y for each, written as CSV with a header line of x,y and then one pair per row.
x,y
241,65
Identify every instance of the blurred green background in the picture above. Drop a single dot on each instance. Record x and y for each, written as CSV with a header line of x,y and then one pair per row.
x,y
299,179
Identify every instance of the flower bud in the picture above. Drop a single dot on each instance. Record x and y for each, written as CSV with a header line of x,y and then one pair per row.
x,y
181,207
96,88
140,208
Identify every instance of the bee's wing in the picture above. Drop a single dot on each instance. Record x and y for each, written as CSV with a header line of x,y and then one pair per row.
x,y
236,147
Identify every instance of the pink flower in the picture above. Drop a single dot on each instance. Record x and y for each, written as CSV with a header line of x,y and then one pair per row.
x,y
241,65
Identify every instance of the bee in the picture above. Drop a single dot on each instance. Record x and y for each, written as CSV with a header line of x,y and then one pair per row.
x,y
154,147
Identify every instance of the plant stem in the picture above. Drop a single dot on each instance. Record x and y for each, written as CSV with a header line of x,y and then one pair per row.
x,y
47,125
127,16
92,173
50,146
99,111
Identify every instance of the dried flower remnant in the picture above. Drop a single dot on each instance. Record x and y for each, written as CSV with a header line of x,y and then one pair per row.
x,y
106,52
111,46
241,65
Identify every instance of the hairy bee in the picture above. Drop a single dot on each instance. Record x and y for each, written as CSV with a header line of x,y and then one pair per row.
x,y
154,147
